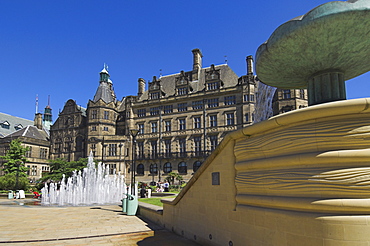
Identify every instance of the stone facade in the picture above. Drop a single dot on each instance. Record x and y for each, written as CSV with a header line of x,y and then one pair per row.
x,y
36,138
286,100
181,119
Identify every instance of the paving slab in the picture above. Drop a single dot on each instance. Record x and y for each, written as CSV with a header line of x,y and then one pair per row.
x,y
90,225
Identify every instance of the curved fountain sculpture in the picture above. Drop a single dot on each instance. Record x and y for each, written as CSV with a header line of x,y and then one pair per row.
x,y
318,50
303,177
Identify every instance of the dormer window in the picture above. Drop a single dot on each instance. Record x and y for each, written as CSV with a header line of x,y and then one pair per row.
x,y
213,81
154,95
155,89
182,84
213,86
182,91
18,127
5,125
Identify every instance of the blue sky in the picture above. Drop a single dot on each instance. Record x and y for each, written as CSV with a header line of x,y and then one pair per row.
x,y
58,48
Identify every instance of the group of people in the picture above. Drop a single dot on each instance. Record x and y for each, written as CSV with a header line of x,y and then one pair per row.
x,y
145,190
163,187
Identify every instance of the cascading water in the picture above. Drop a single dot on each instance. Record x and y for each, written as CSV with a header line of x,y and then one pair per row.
x,y
91,186
263,107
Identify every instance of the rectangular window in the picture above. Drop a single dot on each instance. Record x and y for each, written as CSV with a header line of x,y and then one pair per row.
x,y
213,141
197,123
29,152
153,145
286,94
43,153
301,93
106,115
197,105
197,145
167,125
182,146
230,119
34,171
105,128
249,98
112,149
141,112
182,124
247,117
154,126
141,128
168,109
93,128
213,86
182,107
154,111
94,114
112,169
213,120
167,144
182,91
154,95
230,100
140,148
212,103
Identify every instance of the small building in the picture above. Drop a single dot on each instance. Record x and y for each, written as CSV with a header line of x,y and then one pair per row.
x,y
33,135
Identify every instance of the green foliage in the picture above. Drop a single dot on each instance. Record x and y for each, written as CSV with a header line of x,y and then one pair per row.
x,y
154,200
60,166
15,159
8,182
172,176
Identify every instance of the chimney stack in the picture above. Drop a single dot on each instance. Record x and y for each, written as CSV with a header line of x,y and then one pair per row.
x,y
249,60
197,63
141,88
38,121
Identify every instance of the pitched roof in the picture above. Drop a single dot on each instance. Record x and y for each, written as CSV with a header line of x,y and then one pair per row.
x,y
10,124
104,92
31,132
168,82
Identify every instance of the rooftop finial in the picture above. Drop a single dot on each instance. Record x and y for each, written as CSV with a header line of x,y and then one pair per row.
x,y
105,68
37,103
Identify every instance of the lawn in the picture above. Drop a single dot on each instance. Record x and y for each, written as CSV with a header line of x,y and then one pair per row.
x,y
154,200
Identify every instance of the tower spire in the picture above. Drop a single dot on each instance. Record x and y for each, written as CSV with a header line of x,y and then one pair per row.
x,y
47,119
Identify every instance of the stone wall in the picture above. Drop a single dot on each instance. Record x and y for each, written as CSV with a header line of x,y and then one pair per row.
x,y
300,178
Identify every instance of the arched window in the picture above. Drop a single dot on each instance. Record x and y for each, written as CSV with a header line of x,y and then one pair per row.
x,y
140,169
167,168
182,167
153,169
196,166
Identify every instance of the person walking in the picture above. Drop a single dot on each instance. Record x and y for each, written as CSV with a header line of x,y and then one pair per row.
x,y
166,186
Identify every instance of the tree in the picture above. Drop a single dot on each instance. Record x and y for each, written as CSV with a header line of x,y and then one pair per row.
x,y
15,160
172,176
60,166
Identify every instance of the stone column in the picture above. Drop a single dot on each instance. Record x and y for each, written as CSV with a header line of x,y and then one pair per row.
x,y
326,87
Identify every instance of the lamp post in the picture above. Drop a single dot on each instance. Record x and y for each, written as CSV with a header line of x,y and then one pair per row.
x,y
133,133
120,155
103,145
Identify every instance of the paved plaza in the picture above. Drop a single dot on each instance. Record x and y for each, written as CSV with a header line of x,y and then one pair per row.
x,y
98,225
